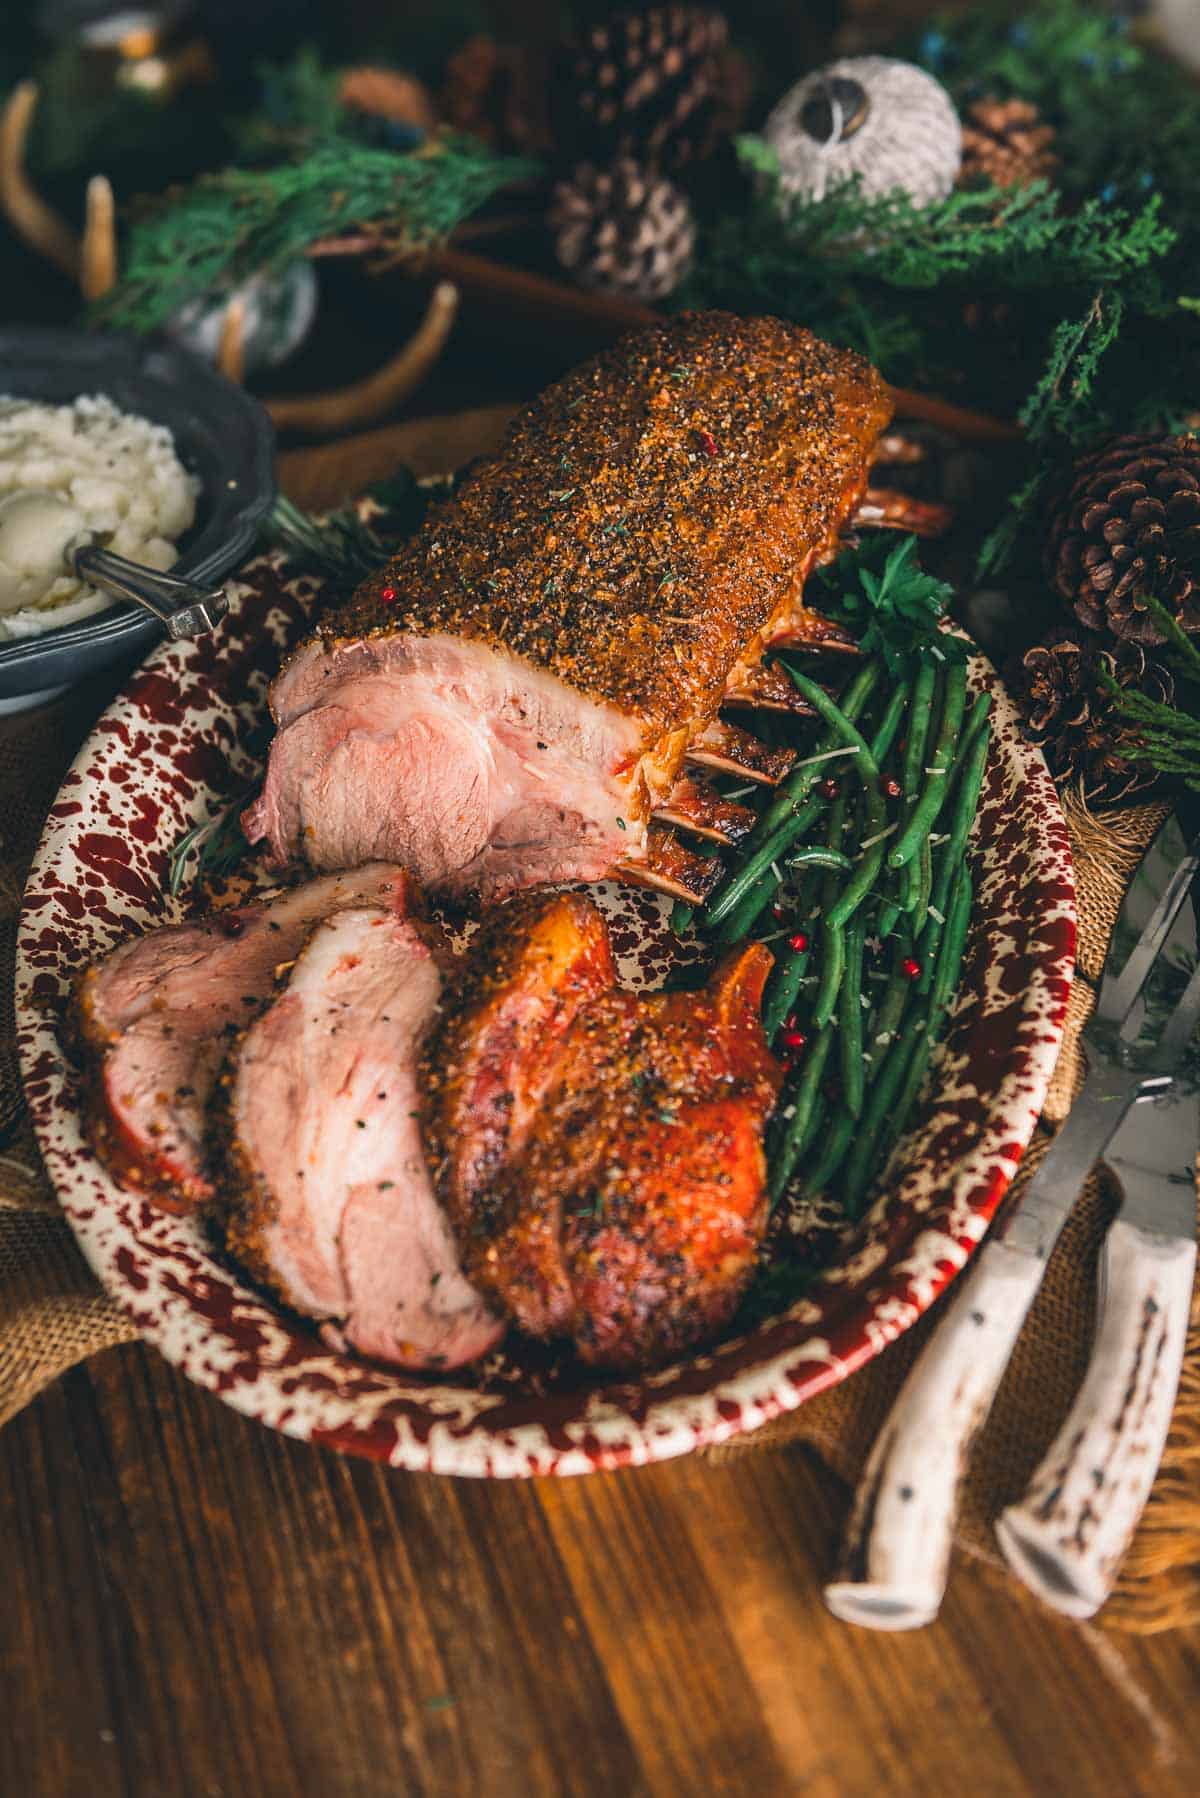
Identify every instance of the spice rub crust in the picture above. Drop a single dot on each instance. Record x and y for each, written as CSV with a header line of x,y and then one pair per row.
x,y
648,517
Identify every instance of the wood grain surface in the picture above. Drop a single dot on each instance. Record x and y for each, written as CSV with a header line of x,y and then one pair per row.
x,y
193,1605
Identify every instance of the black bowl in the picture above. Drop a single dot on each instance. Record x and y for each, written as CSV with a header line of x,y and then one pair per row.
x,y
221,435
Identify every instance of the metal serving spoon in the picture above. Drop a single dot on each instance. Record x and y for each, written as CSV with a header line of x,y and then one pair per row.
x,y
42,535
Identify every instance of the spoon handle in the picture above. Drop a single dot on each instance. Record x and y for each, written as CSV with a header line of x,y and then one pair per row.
x,y
186,610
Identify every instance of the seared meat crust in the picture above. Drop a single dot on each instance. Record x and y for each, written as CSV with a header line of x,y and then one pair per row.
x,y
599,1152
648,516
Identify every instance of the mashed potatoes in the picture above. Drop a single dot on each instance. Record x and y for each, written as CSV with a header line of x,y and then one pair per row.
x,y
119,472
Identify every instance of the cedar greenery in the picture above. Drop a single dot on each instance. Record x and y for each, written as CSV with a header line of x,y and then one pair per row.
x,y
230,225
1076,307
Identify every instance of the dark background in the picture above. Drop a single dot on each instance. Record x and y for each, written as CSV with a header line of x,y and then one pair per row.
x,y
361,320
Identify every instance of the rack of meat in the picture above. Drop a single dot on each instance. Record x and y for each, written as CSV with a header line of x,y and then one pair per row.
x,y
526,692
418,1146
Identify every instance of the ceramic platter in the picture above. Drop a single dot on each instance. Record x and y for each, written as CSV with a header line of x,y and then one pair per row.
x,y
182,739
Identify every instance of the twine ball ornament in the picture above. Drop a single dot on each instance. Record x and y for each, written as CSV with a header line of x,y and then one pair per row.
x,y
624,229
874,117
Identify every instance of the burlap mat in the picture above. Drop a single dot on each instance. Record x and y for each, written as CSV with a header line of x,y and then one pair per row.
x,y
53,1313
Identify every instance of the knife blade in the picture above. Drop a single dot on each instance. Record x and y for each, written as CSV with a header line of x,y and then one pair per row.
x,y
1152,950
1153,1156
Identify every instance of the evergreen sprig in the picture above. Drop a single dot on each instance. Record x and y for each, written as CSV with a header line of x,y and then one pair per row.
x,y
228,226
1169,735
344,547
1021,236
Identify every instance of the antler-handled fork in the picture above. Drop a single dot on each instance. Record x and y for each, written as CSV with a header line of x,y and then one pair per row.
x,y
896,1551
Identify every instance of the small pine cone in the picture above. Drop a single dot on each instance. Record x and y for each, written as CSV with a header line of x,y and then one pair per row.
x,y
623,230
1073,718
1007,143
1129,526
649,83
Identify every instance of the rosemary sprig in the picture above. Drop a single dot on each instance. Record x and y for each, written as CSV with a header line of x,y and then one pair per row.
x,y
342,546
211,848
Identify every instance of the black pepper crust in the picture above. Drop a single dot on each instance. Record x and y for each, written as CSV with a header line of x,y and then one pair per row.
x,y
647,515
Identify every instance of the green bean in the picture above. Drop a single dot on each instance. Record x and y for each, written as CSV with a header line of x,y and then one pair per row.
x,y
911,771
813,855
843,727
871,860
934,791
924,864
878,1107
889,914
784,986
788,817
977,719
915,1063
800,1124
739,922
833,965
850,1013
954,941
918,727
681,916
949,967
837,1140
796,785
886,1021
835,833
910,887
969,768
890,723
759,863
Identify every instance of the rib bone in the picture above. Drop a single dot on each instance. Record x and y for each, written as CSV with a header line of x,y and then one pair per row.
x,y
696,806
671,868
885,508
722,746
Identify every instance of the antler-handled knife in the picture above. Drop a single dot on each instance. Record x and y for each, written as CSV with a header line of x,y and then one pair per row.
x,y
896,1552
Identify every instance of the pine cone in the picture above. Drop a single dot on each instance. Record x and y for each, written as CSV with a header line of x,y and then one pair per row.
x,y
1073,718
1128,526
1006,142
497,93
623,230
647,83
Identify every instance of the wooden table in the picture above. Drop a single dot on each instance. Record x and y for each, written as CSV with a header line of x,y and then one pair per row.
x,y
194,1606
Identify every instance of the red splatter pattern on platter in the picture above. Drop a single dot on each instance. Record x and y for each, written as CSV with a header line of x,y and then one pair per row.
x,y
187,733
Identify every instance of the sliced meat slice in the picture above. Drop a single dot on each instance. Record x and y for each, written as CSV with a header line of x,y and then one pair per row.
x,y
648,1154
531,966
330,1198
157,1015
478,773
602,1163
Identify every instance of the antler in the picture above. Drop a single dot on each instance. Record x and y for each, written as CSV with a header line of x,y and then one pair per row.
x,y
92,260
322,414
98,256
31,218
